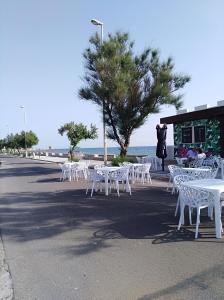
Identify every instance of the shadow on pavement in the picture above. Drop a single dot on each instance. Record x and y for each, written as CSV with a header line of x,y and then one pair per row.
x,y
205,282
64,207
147,214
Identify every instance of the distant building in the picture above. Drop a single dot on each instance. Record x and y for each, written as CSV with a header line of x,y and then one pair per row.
x,y
203,127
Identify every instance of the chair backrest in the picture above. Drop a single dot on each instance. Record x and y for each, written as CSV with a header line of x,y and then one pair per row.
x,y
65,167
125,164
98,166
81,166
146,167
214,172
174,170
218,161
209,161
179,161
197,163
179,179
206,167
139,159
120,174
93,174
195,197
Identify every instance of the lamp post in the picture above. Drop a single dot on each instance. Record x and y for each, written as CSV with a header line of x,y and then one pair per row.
x,y
7,128
24,116
98,23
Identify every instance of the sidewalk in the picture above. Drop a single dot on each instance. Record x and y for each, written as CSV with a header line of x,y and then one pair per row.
x,y
63,244
6,290
50,159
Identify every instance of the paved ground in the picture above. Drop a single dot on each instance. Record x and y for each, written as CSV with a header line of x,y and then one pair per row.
x,y
62,244
58,159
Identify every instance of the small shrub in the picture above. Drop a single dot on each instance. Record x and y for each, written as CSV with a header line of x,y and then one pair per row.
x,y
119,160
74,159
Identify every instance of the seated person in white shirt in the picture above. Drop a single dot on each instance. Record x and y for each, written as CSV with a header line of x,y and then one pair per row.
x,y
201,154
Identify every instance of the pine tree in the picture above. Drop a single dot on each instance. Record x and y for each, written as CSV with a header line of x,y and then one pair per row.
x,y
128,87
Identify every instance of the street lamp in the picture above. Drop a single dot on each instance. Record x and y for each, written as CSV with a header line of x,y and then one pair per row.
x,y
24,116
98,23
7,128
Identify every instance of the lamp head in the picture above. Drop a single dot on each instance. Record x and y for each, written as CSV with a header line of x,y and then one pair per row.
x,y
96,22
21,106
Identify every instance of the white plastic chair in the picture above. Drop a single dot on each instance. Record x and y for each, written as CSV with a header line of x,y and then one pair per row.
x,y
193,198
65,171
210,161
120,176
197,163
142,173
210,174
97,167
153,160
174,171
79,170
214,172
206,167
139,159
178,180
95,180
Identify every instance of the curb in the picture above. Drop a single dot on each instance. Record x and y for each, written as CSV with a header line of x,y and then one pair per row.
x,y
6,289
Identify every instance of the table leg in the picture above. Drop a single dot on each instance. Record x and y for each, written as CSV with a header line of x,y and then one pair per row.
x,y
181,206
222,169
70,174
133,174
106,183
217,215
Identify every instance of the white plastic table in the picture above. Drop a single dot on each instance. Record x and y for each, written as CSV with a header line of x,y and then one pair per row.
x,y
106,171
216,187
195,171
154,160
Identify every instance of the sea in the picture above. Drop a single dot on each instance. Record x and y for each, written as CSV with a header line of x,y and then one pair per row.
x,y
140,150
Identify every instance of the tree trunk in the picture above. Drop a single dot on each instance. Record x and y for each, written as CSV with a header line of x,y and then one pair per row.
x,y
124,150
71,153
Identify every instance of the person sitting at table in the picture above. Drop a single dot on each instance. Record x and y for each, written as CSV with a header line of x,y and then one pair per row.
x,y
201,154
181,151
191,156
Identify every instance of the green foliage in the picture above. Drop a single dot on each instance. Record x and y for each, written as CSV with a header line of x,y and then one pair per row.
x,y
27,139
120,159
19,140
74,159
128,87
76,133
212,134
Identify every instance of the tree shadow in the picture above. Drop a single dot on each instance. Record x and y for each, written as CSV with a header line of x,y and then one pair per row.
x,y
202,283
26,171
55,208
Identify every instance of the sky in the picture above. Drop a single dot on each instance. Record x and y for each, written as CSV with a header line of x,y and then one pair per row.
x,y
41,63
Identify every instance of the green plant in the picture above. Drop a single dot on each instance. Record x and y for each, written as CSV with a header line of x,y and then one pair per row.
x,y
74,159
76,133
120,159
128,87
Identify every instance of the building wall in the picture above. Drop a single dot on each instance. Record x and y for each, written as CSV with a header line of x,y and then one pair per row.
x,y
212,134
